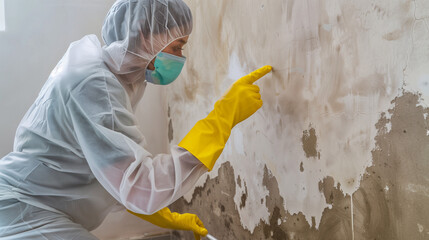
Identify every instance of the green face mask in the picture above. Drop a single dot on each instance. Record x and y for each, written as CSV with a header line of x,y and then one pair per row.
x,y
167,69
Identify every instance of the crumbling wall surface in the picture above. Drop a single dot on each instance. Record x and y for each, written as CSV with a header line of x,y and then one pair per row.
x,y
340,148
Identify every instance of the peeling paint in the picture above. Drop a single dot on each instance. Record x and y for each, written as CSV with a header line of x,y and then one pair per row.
x,y
337,67
377,214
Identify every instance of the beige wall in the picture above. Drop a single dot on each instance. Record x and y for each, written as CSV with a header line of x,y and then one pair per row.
x,y
342,117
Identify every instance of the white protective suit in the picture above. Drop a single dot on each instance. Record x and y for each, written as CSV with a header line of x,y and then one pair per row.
x,y
78,150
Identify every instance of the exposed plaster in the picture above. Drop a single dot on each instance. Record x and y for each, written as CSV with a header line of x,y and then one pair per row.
x,y
387,205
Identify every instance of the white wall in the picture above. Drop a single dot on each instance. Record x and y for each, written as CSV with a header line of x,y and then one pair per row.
x,y
38,32
2,23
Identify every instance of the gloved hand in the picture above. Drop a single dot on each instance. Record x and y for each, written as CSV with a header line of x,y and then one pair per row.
x,y
208,137
172,220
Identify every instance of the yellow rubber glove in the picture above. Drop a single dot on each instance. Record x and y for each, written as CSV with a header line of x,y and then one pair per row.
x,y
208,137
172,220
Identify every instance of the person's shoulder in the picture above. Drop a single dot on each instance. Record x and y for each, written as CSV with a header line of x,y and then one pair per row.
x,y
81,65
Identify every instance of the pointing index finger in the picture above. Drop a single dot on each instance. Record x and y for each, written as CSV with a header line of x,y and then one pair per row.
x,y
257,74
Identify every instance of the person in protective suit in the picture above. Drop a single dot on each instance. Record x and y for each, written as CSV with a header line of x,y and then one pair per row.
x,y
78,152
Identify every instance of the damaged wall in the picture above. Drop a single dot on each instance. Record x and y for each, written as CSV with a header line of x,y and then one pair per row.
x,y
339,149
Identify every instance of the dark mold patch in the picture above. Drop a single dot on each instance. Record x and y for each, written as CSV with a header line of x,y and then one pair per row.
x,y
309,143
243,197
327,188
170,131
170,126
301,167
222,208
273,230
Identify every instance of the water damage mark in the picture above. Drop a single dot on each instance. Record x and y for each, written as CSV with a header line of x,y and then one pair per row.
x,y
170,126
309,143
385,207
243,197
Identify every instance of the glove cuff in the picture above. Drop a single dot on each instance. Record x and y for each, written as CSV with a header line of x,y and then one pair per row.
x,y
207,139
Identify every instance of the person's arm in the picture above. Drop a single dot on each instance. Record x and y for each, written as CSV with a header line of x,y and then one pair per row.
x,y
109,138
208,137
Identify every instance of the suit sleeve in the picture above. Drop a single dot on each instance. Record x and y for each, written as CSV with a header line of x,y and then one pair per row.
x,y
109,138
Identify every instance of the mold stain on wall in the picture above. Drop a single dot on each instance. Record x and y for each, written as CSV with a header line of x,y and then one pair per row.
x,y
390,204
309,144
329,155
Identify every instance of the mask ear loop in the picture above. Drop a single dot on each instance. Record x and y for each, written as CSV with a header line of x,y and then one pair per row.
x,y
138,55
171,56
